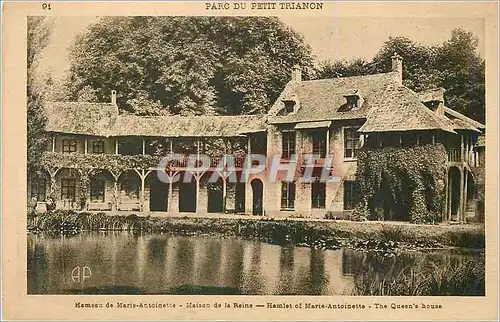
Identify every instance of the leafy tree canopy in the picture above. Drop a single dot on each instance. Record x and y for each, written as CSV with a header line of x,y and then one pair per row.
x,y
39,31
185,65
454,65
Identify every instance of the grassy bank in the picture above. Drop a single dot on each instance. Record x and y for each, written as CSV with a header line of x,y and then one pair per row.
x,y
451,279
378,236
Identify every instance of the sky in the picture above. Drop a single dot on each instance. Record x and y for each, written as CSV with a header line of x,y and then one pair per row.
x,y
331,38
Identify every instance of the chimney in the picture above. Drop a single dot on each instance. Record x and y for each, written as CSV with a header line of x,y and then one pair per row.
x,y
397,66
296,74
113,97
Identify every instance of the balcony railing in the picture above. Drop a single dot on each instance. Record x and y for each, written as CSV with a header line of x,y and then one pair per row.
x,y
123,162
214,162
454,155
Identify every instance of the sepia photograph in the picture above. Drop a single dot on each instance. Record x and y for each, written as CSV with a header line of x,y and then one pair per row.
x,y
249,161
255,156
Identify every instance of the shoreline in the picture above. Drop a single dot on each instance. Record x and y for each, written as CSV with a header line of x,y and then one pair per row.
x,y
384,237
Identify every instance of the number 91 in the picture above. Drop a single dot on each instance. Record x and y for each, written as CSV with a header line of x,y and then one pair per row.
x,y
46,6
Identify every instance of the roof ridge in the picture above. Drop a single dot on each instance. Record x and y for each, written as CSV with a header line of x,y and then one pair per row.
x,y
464,118
345,77
76,102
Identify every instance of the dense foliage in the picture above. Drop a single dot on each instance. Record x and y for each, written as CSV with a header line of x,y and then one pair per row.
x,y
402,183
454,65
186,65
112,162
38,36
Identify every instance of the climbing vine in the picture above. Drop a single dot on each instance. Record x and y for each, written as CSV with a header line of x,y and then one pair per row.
x,y
111,162
402,183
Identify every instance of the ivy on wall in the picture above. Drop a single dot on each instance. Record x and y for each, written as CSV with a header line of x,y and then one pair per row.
x,y
402,183
113,162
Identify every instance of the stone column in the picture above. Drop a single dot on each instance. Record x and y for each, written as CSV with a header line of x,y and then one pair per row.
x,y
461,199
173,206
141,201
327,141
115,204
446,196
461,147
450,190
197,194
224,193
170,195
464,200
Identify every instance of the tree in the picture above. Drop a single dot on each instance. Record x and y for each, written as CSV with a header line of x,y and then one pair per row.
x,y
453,65
462,72
39,30
418,69
344,68
186,65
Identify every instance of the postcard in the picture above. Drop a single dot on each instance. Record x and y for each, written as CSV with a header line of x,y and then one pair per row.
x,y
250,160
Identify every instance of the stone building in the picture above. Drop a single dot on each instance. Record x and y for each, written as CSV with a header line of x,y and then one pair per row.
x,y
101,160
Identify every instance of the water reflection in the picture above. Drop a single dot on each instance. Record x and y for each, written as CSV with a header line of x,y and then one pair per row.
x,y
163,264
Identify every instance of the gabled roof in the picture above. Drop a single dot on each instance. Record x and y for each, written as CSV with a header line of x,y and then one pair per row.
x,y
400,109
80,117
103,120
323,99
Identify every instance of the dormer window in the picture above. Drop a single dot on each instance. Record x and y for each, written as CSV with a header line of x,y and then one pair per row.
x,y
289,107
353,100
434,105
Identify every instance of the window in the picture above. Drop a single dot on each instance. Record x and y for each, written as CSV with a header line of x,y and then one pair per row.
x,y
289,106
69,146
68,189
98,146
318,195
288,148
319,143
131,187
288,195
38,189
130,146
351,142
350,194
352,101
96,190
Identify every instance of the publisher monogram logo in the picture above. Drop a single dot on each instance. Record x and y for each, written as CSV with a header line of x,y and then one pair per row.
x,y
80,274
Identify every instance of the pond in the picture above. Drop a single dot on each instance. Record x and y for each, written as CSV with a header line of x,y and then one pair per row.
x,y
127,263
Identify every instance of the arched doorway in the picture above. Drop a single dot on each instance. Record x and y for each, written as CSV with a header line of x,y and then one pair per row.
x,y
158,193
454,179
187,196
470,196
257,194
129,193
215,196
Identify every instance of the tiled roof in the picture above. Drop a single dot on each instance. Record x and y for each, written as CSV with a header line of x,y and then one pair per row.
x,y
104,120
323,99
182,126
80,117
463,118
400,109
